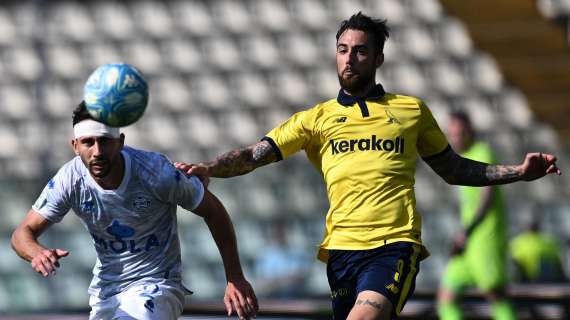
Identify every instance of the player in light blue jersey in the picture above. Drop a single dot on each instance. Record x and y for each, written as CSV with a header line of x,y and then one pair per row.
x,y
127,199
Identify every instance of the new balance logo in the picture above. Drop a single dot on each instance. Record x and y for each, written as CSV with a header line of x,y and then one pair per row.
x,y
373,143
340,120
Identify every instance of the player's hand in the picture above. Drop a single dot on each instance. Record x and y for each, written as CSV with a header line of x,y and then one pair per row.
x,y
537,165
197,170
239,297
47,260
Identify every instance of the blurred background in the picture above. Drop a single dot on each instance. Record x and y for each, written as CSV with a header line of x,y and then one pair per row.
x,y
222,73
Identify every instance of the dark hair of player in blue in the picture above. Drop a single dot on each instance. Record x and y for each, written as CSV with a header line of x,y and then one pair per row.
x,y
80,113
376,27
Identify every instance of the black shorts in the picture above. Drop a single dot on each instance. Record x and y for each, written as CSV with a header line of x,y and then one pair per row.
x,y
389,270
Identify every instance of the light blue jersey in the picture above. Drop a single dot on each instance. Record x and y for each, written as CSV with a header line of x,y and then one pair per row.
x,y
134,227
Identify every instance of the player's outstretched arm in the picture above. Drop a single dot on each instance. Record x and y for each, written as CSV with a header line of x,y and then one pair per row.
x,y
26,245
233,163
457,170
239,295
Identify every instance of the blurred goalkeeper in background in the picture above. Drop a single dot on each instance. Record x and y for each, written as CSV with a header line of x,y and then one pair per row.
x,y
127,200
480,250
365,144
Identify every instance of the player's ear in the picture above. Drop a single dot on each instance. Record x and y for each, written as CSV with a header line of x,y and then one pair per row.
x,y
74,146
379,59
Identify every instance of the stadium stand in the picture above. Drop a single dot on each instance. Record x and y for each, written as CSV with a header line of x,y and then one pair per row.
x,y
222,73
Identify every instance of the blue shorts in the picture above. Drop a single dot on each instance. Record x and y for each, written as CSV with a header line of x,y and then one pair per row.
x,y
389,270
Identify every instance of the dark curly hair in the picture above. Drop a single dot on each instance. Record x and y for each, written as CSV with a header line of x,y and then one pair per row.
x,y
376,27
80,113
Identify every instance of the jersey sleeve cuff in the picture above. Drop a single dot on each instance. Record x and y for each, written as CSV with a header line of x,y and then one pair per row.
x,y
274,146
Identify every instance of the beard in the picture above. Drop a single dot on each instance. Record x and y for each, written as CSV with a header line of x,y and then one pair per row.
x,y
358,82
100,169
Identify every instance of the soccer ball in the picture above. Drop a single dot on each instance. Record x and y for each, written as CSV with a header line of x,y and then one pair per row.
x,y
116,94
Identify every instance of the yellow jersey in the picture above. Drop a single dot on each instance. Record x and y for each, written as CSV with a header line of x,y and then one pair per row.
x,y
366,151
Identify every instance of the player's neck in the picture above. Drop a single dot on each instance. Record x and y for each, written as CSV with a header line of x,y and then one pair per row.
x,y
362,91
114,179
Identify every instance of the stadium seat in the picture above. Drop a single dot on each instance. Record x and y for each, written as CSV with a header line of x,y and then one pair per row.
x,y
343,9
407,77
201,128
395,9
114,20
9,31
325,82
172,94
301,49
213,91
239,126
232,15
181,55
64,61
418,42
153,18
192,17
311,13
447,78
68,20
144,55
272,14
484,74
290,86
17,102
96,53
23,63
514,109
261,50
452,37
427,11
222,53
252,89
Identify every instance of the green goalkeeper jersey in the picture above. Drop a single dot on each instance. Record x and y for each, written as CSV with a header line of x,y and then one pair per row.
x,y
493,229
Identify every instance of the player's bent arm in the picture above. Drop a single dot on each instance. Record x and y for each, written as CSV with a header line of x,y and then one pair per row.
x,y
24,237
485,202
25,243
241,161
239,294
221,227
457,170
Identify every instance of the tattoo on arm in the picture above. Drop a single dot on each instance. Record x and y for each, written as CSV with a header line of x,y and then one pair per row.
x,y
455,169
369,303
242,161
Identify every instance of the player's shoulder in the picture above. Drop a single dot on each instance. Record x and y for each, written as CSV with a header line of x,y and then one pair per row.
x,y
73,170
400,100
148,162
323,108
153,168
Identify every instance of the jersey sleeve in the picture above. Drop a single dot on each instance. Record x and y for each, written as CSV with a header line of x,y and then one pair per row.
x,y
431,140
175,187
55,200
292,135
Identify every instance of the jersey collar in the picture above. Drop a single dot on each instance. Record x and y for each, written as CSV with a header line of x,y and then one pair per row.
x,y
346,100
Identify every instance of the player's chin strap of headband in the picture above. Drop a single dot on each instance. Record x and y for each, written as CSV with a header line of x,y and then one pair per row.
x,y
92,128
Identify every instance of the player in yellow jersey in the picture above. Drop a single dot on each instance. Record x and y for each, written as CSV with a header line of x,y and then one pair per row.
x,y
365,144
